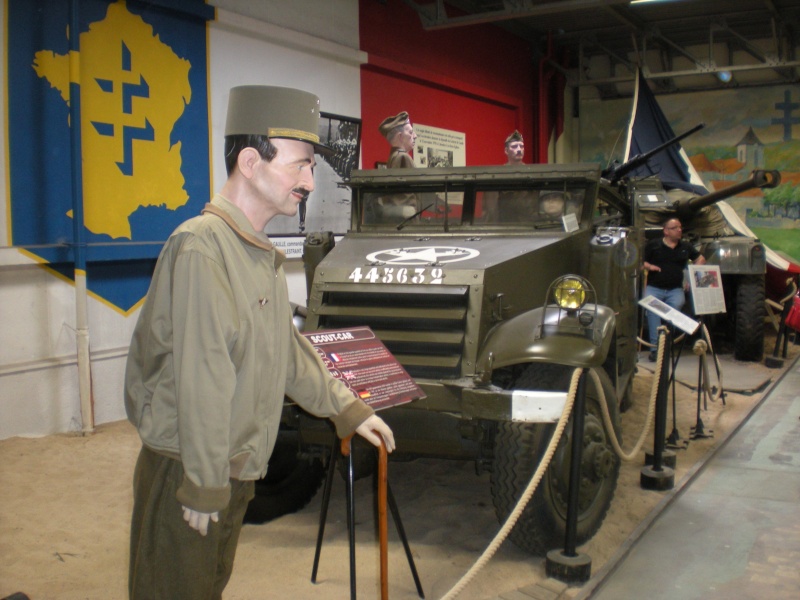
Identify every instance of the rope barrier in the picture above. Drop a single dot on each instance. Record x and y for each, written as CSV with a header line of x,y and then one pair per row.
x,y
505,530
651,409
512,519
701,349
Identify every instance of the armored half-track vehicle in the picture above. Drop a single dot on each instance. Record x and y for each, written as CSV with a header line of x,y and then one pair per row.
x,y
485,283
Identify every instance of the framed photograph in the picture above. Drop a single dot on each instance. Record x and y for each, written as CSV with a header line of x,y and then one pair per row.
x,y
327,208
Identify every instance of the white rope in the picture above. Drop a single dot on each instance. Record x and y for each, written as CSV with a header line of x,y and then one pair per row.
x,y
505,530
512,519
630,456
701,349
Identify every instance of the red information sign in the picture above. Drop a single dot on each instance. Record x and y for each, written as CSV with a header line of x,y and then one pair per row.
x,y
360,360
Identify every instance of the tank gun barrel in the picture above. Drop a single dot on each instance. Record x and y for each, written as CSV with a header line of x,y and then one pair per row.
x,y
758,179
616,172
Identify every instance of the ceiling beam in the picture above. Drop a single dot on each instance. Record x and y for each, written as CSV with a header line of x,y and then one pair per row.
x,y
434,16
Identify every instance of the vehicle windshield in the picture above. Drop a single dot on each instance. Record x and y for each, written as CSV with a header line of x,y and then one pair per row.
x,y
502,207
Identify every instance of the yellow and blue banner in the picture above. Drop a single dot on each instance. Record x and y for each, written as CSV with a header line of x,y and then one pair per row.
x,y
108,134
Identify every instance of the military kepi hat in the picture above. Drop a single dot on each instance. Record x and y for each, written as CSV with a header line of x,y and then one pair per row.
x,y
390,123
277,112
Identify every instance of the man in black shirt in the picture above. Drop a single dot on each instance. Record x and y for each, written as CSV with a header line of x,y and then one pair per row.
x,y
665,260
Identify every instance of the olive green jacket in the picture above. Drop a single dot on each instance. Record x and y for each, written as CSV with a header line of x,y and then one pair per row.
x,y
215,350
399,159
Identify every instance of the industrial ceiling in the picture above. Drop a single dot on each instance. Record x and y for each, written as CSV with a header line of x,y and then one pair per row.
x,y
681,45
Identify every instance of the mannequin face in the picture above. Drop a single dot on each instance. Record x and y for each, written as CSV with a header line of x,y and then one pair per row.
x,y
406,138
552,205
286,180
515,151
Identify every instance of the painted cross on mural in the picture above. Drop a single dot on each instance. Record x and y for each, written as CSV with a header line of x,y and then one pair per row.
x,y
787,120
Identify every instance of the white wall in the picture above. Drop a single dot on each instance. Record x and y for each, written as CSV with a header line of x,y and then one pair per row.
x,y
38,372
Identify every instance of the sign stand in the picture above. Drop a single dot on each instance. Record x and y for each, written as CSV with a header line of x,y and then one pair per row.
x,y
673,440
358,358
341,449
676,320
708,298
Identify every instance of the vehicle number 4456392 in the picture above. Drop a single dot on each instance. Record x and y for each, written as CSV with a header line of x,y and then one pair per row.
x,y
417,275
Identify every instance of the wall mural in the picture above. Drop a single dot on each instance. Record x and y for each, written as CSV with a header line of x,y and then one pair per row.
x,y
746,129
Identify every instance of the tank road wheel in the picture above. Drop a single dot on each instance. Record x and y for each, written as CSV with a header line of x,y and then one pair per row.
x,y
751,311
520,446
289,485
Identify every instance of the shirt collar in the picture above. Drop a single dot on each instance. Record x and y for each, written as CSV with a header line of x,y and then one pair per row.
x,y
239,223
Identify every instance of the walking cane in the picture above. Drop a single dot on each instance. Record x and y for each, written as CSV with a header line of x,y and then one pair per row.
x,y
642,314
383,526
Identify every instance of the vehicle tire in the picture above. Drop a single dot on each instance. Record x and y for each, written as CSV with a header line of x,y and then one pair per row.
x,y
626,402
291,482
519,448
751,311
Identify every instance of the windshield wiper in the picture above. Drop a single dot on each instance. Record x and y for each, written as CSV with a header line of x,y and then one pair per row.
x,y
404,222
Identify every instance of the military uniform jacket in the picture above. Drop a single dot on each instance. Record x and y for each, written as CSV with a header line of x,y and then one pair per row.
x,y
214,351
399,159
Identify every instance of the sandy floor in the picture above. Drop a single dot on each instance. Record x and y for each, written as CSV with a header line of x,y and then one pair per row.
x,y
66,502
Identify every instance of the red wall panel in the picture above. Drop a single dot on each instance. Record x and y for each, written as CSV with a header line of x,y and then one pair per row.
x,y
476,79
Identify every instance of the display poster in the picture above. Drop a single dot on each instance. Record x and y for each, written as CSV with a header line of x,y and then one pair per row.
x,y
437,147
707,293
669,314
360,360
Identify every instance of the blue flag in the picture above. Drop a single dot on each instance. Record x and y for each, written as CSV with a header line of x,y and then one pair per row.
x,y
648,129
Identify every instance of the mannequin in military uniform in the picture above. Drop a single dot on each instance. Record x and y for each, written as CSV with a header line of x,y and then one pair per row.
x,y
511,205
515,148
214,352
399,132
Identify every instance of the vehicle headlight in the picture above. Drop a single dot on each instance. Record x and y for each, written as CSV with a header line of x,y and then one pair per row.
x,y
569,293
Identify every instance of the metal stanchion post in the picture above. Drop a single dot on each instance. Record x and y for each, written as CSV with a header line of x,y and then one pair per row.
x,y
569,566
657,476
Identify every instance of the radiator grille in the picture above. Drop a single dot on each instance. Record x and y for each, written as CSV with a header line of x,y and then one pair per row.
x,y
423,328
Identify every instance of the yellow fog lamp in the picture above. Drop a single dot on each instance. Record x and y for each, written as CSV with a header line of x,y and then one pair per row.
x,y
569,293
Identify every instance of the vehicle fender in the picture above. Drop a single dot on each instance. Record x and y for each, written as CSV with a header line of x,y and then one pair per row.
x,y
521,340
737,256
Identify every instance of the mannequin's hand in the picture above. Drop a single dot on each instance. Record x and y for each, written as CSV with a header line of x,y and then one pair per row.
x,y
372,427
199,520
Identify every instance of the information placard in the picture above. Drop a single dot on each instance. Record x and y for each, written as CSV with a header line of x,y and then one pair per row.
x,y
707,294
666,312
362,362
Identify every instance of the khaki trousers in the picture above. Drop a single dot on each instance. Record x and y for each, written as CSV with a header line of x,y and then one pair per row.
x,y
169,560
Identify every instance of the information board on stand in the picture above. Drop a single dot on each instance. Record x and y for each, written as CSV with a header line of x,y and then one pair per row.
x,y
669,314
364,364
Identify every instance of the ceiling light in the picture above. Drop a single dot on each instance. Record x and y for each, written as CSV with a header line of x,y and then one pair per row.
x,y
724,76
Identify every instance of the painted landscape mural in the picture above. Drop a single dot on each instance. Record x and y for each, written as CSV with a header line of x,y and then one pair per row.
x,y
754,128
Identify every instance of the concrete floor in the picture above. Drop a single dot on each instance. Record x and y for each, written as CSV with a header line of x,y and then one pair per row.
x,y
734,531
